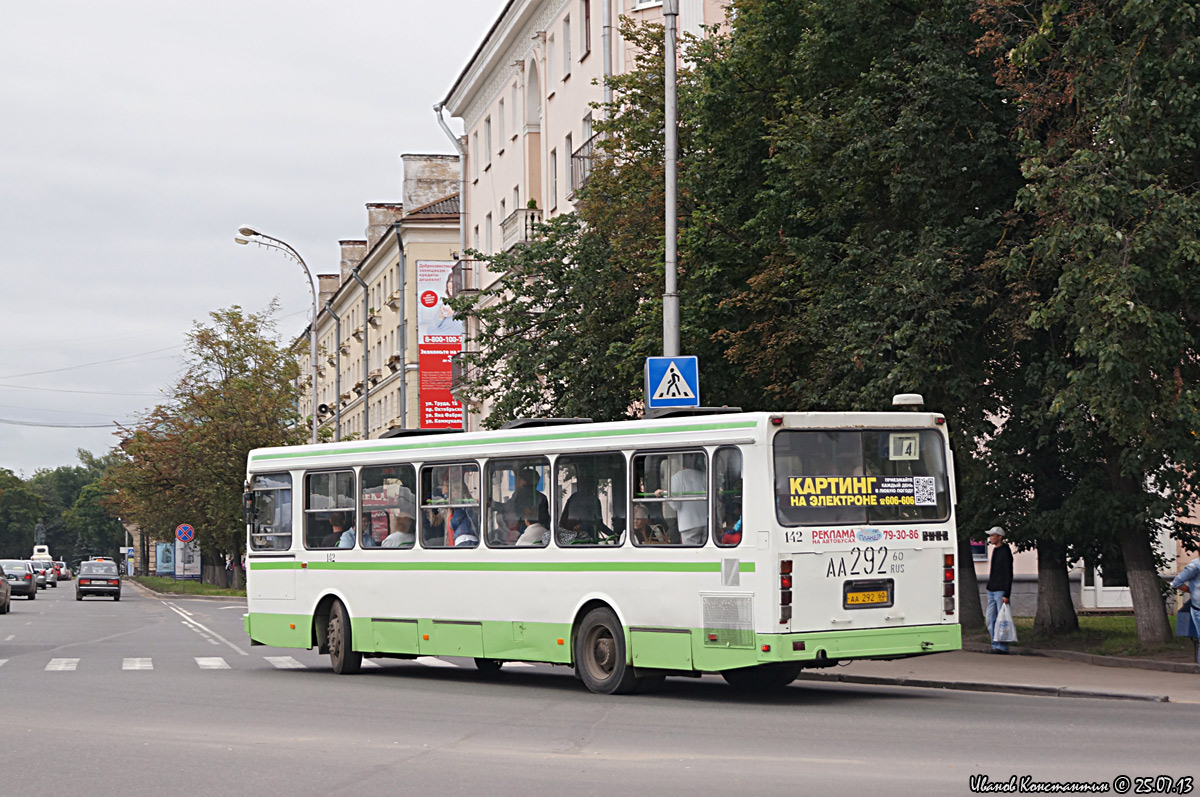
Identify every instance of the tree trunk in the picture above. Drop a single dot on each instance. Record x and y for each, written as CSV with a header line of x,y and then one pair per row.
x,y
1145,587
1055,611
970,608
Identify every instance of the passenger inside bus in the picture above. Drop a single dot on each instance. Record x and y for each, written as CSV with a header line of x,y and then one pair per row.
x,y
401,518
536,531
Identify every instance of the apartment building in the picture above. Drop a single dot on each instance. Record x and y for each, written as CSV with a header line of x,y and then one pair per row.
x,y
524,101
376,371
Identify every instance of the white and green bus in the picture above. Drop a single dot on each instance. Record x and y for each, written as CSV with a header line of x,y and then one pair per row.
x,y
747,544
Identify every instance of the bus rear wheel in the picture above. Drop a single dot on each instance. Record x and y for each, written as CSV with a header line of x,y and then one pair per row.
x,y
600,654
764,677
342,655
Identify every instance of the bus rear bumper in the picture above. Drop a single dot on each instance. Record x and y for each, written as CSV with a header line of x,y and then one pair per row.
x,y
819,647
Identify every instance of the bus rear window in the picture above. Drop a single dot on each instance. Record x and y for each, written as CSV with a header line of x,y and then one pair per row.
x,y
860,476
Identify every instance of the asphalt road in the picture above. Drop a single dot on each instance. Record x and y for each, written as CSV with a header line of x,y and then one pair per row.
x,y
166,696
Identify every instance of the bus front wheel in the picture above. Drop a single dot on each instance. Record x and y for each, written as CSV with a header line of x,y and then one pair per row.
x,y
762,678
600,654
342,655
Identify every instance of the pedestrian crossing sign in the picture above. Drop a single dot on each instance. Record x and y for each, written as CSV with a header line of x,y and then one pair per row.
x,y
672,382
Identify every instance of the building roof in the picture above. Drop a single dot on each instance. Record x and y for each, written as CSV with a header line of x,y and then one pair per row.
x,y
446,206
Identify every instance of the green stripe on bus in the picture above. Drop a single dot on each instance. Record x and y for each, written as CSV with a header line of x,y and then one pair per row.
x,y
512,567
435,442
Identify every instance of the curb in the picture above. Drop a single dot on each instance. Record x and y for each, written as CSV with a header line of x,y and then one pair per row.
x,y
970,686
1091,658
169,595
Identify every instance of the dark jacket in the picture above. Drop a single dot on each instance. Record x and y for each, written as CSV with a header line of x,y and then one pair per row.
x,y
1000,572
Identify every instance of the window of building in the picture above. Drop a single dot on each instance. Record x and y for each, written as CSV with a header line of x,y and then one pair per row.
x,y
500,128
585,33
670,498
487,142
450,506
474,155
487,225
516,123
553,169
569,149
590,499
502,207
516,198
389,507
329,509
517,509
551,56
566,45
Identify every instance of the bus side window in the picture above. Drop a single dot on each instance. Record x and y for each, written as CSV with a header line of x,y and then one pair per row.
x,y
450,506
727,491
590,499
389,508
329,508
517,511
272,496
670,499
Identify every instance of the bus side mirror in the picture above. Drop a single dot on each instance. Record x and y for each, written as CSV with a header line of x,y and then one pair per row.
x,y
248,507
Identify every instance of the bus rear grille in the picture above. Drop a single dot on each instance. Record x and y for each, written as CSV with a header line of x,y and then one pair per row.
x,y
728,621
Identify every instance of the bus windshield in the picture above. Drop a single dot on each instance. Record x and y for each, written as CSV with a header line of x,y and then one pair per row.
x,y
860,476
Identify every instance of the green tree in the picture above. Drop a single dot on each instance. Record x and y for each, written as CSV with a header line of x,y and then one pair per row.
x,y
20,510
1107,251
185,462
93,529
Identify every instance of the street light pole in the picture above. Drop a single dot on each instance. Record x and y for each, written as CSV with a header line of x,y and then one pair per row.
x,y
670,157
286,248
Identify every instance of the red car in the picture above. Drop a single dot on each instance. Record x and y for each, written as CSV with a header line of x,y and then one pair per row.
x,y
64,572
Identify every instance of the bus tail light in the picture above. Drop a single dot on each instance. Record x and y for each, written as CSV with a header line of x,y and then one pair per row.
x,y
785,591
948,583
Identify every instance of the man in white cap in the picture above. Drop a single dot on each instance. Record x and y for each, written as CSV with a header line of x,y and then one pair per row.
x,y
999,584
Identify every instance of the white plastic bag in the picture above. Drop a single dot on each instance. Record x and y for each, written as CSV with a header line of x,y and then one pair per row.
x,y
1005,630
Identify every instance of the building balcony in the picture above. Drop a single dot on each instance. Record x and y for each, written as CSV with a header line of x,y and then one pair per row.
x,y
393,362
518,227
464,277
375,376
358,333
460,374
581,163
393,299
358,387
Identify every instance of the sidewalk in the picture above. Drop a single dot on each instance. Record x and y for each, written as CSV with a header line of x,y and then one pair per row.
x,y
1050,673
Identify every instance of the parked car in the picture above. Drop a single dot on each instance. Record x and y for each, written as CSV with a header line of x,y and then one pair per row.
x,y
64,572
98,578
20,577
51,574
5,592
39,572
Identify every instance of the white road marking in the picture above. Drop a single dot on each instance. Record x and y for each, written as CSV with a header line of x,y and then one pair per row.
x,y
137,664
431,661
517,664
212,663
187,619
62,665
3,662
368,664
285,663
9,638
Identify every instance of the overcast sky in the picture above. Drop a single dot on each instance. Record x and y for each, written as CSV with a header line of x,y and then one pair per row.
x,y
136,136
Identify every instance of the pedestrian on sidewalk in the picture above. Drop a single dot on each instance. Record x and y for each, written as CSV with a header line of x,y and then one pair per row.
x,y
1188,581
999,583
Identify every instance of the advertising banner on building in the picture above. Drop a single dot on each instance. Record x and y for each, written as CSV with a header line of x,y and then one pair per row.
x,y
439,338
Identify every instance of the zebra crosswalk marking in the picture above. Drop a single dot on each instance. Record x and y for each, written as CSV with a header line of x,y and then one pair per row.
x,y
285,663
62,665
212,663
137,664
430,661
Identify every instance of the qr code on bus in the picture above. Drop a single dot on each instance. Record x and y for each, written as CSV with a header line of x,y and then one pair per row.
x,y
923,491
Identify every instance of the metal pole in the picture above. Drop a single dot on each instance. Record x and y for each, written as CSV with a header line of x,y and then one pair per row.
x,y
366,356
337,370
670,157
287,249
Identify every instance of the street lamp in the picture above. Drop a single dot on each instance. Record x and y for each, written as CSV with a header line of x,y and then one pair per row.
x,y
248,234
